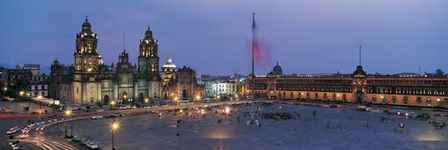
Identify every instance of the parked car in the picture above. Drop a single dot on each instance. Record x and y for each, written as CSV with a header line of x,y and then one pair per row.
x,y
14,144
84,141
96,117
91,145
438,124
421,117
12,130
77,138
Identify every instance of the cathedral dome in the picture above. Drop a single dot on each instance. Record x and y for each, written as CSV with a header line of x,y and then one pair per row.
x,y
169,64
148,32
86,26
277,70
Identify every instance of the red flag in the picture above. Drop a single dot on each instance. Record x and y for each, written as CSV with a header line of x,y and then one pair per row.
x,y
261,54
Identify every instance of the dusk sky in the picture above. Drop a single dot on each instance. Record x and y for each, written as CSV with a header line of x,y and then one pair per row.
x,y
213,37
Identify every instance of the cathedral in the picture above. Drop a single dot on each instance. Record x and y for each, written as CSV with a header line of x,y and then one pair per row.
x,y
90,81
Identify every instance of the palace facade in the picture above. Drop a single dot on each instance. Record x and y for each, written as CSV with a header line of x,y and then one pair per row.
x,y
90,81
358,87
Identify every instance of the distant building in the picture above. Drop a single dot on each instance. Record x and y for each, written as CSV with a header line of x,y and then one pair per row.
x,y
39,86
182,85
34,68
19,77
358,87
3,78
224,86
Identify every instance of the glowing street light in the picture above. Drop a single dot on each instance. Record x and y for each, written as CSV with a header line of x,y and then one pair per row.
x,y
5,88
227,110
67,114
146,100
21,93
198,97
202,111
112,103
114,128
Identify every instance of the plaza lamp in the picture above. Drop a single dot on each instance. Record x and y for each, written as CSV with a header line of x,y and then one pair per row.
x,y
114,128
67,114
227,110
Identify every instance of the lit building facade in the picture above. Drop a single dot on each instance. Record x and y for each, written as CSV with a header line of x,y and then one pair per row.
x,y
224,86
358,87
181,83
90,81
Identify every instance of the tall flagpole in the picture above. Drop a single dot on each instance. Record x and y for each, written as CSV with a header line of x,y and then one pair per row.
x,y
253,56
360,51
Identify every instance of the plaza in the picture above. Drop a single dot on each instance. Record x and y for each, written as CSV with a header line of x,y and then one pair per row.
x,y
351,129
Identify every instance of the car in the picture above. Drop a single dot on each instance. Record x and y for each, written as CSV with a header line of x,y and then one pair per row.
x,y
15,142
91,145
12,130
96,117
438,124
84,141
15,147
253,122
77,138
250,97
421,117
31,125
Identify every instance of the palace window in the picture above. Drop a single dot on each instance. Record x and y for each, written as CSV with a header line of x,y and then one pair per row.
x,y
374,98
419,100
405,99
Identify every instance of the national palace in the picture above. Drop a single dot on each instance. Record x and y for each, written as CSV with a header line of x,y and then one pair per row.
x,y
358,87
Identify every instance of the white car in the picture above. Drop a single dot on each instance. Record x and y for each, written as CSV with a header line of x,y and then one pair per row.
x,y
15,147
96,117
253,122
91,145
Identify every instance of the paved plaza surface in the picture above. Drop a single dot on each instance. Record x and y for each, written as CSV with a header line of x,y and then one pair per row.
x,y
19,107
329,128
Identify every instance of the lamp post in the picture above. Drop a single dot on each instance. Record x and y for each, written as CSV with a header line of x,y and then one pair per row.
x,y
68,113
112,104
114,127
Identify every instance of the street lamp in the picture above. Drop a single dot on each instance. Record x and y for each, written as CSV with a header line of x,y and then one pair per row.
x,y
227,110
114,127
67,114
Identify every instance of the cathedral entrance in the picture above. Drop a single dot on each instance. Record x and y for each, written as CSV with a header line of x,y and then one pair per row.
x,y
184,94
124,97
106,99
140,98
165,96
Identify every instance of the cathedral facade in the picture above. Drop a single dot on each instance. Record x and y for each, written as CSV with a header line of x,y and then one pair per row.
x,y
90,81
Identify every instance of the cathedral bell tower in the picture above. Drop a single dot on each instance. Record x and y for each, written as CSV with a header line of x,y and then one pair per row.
x,y
86,86
87,57
148,59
